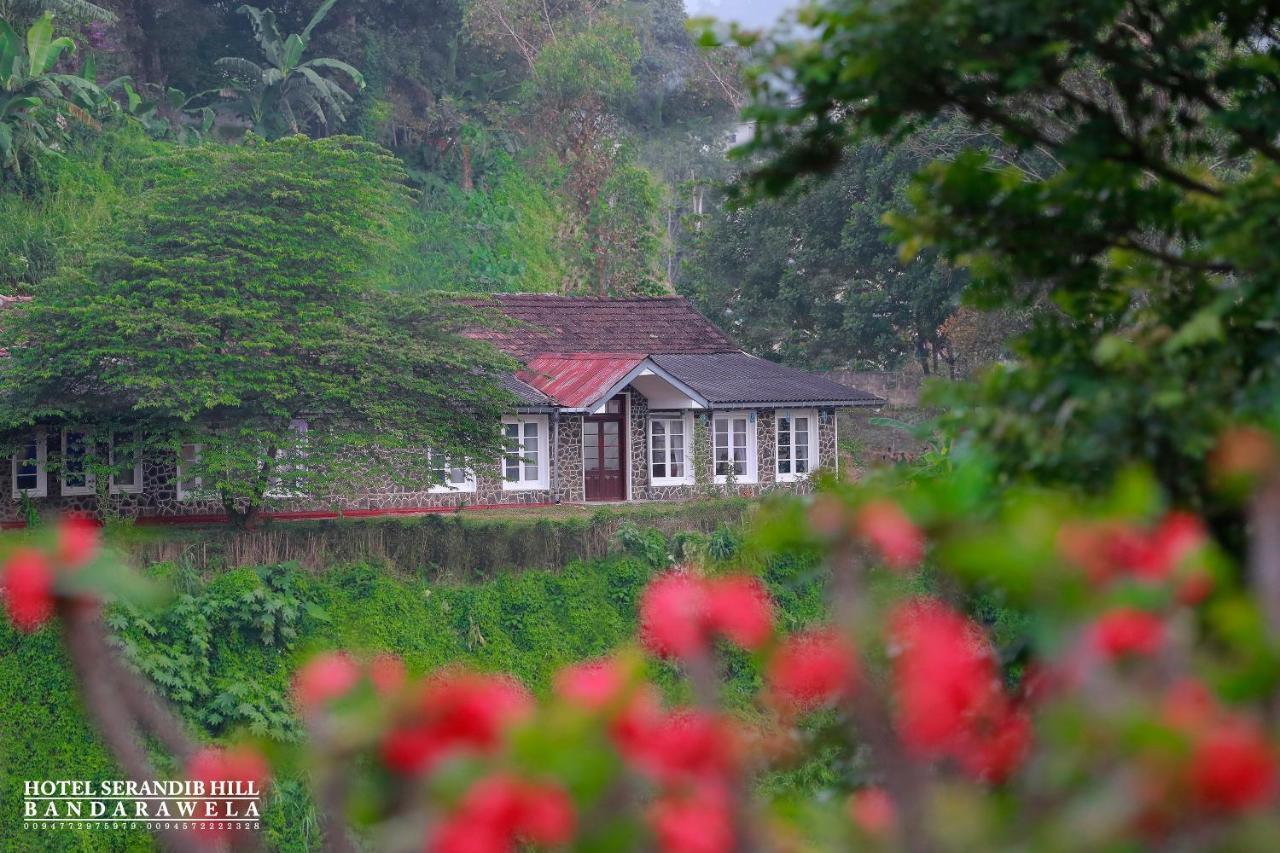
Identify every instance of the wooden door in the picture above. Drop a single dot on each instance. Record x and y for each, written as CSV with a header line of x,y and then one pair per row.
x,y
604,453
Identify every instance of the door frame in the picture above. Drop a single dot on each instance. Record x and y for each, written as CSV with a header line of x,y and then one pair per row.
x,y
624,446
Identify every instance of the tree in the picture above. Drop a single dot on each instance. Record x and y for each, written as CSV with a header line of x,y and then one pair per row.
x,y
815,281
36,102
254,280
288,95
1151,236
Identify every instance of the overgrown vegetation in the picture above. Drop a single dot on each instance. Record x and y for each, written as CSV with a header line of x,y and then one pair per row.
x,y
223,651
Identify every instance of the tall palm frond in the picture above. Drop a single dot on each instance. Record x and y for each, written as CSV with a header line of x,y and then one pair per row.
x,y
286,94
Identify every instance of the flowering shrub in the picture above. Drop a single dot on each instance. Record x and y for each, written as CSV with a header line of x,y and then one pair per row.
x,y
1131,711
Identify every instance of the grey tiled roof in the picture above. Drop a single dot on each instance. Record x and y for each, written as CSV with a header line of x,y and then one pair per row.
x,y
740,379
526,393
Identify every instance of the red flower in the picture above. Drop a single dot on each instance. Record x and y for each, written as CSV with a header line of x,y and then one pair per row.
x,y
892,533
1188,706
944,674
1126,631
77,541
993,755
813,668
685,745
694,821
387,674
1233,767
28,586
873,811
738,606
594,685
456,710
1179,536
673,616
324,678
501,810
239,764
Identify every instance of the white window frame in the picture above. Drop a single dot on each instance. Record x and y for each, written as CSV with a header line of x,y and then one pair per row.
x,y
752,464
686,419
90,481
287,462
197,490
42,472
467,486
814,462
544,452
116,488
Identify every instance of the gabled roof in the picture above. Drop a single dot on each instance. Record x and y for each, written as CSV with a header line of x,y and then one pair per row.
x,y
728,379
578,380
580,324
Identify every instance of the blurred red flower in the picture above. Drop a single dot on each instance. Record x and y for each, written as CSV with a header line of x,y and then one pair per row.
x,y
1233,767
502,810
873,811
455,710
944,675
996,748
673,616
685,745
78,537
1126,631
892,532
813,668
738,606
387,674
28,589
324,678
694,820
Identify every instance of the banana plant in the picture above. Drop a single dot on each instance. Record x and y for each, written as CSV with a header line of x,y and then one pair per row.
x,y
36,104
165,113
286,94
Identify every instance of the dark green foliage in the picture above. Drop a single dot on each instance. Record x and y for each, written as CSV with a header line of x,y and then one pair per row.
x,y
244,615
815,280
1152,234
645,544
224,653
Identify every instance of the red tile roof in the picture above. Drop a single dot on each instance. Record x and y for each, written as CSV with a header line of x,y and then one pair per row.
x,y
578,380
576,324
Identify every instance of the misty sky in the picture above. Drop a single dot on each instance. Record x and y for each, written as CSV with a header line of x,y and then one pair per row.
x,y
752,13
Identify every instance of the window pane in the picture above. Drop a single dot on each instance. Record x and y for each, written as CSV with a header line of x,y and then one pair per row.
x,y
28,477
74,475
457,476
123,458
677,452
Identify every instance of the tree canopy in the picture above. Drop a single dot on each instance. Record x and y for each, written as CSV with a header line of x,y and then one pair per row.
x,y
815,280
1151,234
242,294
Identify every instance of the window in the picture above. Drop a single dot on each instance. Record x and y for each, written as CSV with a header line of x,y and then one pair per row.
x,y
733,436
669,445
29,475
797,444
524,463
126,464
289,476
76,479
189,487
450,478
